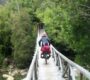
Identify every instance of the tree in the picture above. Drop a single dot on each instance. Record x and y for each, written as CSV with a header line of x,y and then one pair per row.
x,y
5,34
17,32
68,22
23,38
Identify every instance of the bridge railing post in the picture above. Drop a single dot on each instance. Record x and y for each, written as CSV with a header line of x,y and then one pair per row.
x,y
72,72
57,60
61,65
33,75
81,76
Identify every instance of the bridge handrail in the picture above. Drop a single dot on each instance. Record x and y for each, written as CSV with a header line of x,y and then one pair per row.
x,y
31,68
81,69
32,65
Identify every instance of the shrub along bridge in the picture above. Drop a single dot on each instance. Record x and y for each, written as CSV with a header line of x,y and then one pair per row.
x,y
59,67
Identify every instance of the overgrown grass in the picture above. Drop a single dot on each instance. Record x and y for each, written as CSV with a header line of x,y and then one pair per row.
x,y
18,77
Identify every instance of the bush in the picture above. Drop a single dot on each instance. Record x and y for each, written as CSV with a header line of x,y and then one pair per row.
x,y
23,38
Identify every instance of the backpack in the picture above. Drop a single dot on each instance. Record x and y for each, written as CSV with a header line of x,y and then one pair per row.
x,y
45,48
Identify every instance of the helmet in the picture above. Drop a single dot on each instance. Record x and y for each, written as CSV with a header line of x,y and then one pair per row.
x,y
44,35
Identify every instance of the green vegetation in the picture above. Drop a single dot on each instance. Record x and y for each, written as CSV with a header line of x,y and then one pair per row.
x,y
69,23
67,20
18,77
17,33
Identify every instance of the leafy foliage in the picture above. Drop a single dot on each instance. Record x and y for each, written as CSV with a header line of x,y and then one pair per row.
x,y
5,34
17,32
68,23
22,38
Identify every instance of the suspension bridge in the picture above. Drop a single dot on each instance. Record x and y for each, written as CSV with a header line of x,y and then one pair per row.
x,y
59,67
